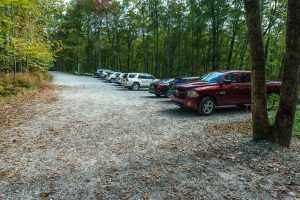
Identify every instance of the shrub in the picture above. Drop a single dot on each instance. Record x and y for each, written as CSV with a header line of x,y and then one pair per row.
x,y
24,81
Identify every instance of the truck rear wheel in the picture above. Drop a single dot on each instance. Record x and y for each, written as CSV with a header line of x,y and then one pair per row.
x,y
206,106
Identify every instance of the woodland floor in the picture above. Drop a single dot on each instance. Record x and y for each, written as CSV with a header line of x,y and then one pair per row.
x,y
82,138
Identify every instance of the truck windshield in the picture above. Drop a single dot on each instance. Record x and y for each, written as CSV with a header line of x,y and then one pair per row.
x,y
212,77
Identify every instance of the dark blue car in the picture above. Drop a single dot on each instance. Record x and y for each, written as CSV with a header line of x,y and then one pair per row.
x,y
180,80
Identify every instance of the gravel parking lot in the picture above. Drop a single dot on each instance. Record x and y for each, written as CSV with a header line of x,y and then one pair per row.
x,y
102,141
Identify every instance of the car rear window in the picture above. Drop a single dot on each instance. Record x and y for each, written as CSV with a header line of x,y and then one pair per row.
x,y
232,77
150,77
125,75
142,76
132,75
245,78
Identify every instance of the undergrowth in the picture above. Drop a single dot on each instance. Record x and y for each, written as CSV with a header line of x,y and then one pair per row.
x,y
24,82
273,100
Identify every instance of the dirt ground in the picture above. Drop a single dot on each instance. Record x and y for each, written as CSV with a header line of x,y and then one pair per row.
x,y
87,139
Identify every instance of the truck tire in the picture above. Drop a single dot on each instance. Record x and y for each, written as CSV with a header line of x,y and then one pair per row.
x,y
206,106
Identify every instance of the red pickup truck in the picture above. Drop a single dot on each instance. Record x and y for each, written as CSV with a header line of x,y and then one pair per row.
x,y
218,89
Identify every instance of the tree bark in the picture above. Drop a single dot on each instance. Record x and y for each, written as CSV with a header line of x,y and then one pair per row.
x,y
284,120
144,40
232,41
214,36
260,122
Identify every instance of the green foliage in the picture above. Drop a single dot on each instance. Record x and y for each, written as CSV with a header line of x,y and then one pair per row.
x,y
25,28
273,104
297,122
273,101
166,38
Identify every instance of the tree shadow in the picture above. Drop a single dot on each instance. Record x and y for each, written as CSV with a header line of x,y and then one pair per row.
x,y
249,152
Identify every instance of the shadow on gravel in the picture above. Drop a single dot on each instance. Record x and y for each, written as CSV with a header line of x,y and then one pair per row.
x,y
167,101
121,89
180,112
154,97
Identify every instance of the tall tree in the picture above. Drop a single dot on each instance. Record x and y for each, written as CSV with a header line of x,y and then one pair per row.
x,y
288,98
282,129
259,110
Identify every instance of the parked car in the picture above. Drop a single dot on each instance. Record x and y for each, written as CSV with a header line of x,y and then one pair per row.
x,y
160,88
107,74
135,81
119,78
104,72
123,79
218,89
111,77
98,71
180,80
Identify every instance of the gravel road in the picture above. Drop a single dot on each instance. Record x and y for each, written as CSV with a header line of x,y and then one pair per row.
x,y
101,141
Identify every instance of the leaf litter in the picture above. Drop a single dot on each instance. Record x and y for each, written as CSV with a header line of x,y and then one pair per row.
x,y
83,138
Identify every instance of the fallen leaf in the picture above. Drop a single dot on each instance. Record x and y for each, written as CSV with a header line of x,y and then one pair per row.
x,y
54,175
43,196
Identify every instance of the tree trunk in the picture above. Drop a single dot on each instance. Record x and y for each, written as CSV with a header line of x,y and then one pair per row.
x,y
14,68
128,54
260,120
234,32
144,41
284,121
214,36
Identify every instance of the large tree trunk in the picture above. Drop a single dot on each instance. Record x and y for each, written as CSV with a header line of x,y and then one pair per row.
x,y
214,36
288,99
260,121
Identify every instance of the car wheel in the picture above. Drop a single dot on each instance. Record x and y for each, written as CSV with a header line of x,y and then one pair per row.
x,y
206,106
136,86
112,80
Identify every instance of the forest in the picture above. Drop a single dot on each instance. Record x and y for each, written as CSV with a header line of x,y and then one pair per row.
x,y
166,38
26,48
163,37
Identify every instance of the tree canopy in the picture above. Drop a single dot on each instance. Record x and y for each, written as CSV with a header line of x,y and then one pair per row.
x,y
166,38
25,30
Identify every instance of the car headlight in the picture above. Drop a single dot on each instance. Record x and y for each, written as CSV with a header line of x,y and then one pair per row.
x,y
192,94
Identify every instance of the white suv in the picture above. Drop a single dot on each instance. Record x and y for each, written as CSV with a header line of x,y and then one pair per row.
x,y
135,81
112,77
